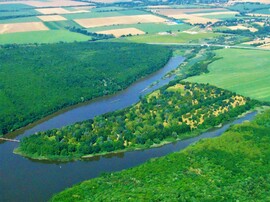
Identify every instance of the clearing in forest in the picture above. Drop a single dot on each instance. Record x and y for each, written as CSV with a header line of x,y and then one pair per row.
x,y
22,27
121,32
133,19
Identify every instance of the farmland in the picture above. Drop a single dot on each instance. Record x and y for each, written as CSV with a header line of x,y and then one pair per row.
x,y
121,32
22,27
99,22
50,18
195,16
170,37
33,88
149,28
51,36
246,72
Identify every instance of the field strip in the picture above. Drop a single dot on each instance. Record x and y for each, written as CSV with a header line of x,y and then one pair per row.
x,y
121,32
22,27
242,27
176,11
50,18
216,13
52,3
265,46
252,1
193,19
48,11
119,20
258,15
264,41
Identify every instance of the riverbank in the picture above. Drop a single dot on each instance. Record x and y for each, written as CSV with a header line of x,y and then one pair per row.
x,y
35,87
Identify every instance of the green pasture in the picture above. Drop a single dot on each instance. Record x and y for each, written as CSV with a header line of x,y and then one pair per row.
x,y
169,38
221,16
248,7
246,72
14,7
104,14
263,11
51,36
150,28
61,25
20,19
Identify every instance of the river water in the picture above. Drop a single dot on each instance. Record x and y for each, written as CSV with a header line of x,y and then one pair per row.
x,y
26,180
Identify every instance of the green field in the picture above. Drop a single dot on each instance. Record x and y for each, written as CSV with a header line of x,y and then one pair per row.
x,y
232,167
51,36
150,28
20,19
248,7
104,14
263,11
33,78
246,72
222,16
61,25
169,38
14,7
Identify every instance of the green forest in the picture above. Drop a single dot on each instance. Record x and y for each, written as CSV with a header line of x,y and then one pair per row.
x,y
232,167
176,111
37,80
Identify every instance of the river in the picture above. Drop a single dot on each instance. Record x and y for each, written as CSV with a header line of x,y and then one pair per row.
x,y
23,180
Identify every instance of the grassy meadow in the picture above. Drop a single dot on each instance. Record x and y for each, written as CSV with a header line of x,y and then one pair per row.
x,y
103,14
169,38
51,36
246,72
149,28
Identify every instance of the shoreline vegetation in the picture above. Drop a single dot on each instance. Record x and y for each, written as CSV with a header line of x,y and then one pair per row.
x,y
233,166
151,122
43,87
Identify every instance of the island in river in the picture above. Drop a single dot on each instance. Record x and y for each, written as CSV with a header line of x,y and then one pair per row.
x,y
176,111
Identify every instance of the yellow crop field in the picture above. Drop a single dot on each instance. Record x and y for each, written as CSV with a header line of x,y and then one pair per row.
x,y
119,20
121,32
189,18
242,27
22,27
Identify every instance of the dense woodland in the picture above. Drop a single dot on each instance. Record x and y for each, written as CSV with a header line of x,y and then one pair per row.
x,y
37,80
171,113
232,167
